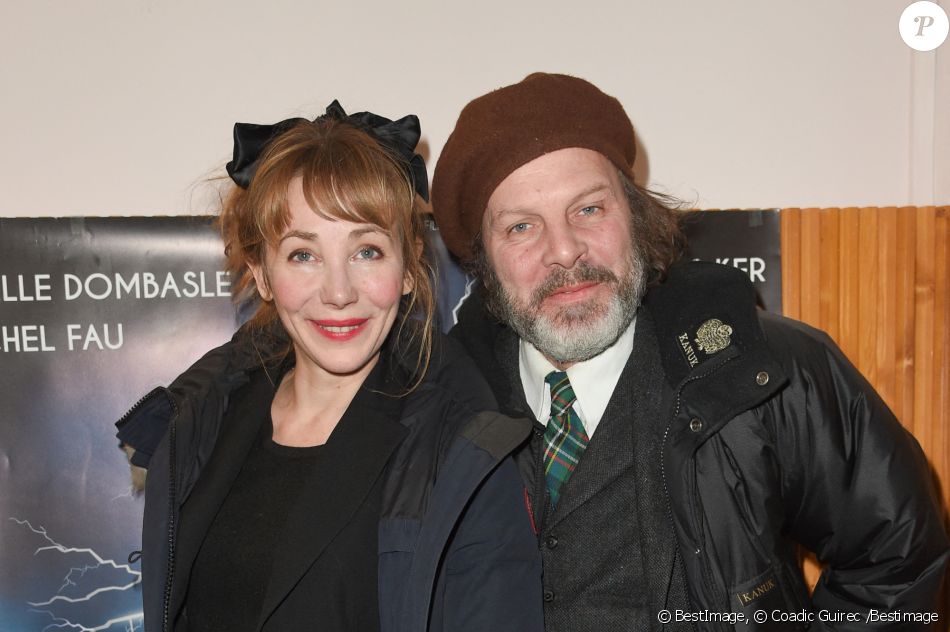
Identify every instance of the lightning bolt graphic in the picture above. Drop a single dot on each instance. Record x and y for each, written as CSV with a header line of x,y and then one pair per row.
x,y
129,493
130,622
469,282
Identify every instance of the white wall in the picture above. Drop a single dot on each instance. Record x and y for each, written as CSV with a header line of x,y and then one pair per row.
x,y
123,107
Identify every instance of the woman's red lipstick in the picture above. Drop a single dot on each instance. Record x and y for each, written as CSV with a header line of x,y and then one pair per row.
x,y
339,330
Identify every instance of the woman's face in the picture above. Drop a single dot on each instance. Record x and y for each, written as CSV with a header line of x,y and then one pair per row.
x,y
336,286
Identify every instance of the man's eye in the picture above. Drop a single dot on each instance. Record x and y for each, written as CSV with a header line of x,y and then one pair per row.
x,y
589,210
519,227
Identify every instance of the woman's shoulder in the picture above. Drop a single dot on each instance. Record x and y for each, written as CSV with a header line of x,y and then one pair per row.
x,y
454,401
453,369
451,378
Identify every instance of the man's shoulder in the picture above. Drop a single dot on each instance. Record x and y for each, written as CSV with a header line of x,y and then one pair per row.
x,y
475,323
696,293
478,331
787,336
695,284
810,354
699,310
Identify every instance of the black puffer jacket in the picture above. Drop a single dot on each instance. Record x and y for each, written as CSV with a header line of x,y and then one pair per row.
x,y
773,438
456,550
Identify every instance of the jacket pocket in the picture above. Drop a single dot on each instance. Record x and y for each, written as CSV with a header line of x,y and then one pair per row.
x,y
743,504
397,543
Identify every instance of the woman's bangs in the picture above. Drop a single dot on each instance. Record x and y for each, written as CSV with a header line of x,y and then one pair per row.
x,y
358,191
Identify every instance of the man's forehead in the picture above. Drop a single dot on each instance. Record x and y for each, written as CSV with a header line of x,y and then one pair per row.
x,y
560,176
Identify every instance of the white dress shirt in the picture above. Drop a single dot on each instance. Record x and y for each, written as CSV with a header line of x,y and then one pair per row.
x,y
593,380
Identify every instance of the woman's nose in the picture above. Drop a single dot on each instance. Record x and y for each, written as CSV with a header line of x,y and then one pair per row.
x,y
338,288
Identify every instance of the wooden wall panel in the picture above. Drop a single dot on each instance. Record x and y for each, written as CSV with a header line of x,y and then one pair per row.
x,y
828,290
885,305
904,318
867,294
810,292
878,281
924,317
940,407
791,241
849,275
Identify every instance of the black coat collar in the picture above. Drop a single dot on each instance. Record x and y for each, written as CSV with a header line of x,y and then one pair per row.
x,y
696,295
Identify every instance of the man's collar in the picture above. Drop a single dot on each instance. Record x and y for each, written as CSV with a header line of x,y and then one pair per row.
x,y
593,380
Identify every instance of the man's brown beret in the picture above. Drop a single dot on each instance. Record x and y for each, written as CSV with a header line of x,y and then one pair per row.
x,y
509,127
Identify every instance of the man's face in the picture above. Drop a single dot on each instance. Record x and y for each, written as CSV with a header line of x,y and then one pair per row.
x,y
562,267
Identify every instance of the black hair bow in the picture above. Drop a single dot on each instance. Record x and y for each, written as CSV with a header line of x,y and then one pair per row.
x,y
400,137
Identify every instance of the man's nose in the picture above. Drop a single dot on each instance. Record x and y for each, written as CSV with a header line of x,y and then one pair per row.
x,y
563,246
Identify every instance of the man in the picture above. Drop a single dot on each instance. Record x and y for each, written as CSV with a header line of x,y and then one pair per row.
x,y
686,442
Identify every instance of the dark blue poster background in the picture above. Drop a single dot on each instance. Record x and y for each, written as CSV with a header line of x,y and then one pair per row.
x,y
95,312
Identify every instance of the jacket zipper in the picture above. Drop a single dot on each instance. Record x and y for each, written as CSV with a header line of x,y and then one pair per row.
x,y
135,556
172,517
135,406
666,490
669,505
172,493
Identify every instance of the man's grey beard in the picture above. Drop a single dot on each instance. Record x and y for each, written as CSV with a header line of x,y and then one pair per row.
x,y
578,332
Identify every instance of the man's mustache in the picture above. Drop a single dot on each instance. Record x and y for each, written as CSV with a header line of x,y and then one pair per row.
x,y
561,277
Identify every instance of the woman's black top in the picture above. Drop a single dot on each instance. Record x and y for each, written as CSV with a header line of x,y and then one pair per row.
x,y
230,575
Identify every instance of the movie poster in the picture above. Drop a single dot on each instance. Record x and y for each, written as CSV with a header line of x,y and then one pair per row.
x,y
93,314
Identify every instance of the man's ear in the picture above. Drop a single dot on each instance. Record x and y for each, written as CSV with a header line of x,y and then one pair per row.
x,y
260,279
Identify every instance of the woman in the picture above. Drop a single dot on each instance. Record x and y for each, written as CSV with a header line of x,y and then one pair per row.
x,y
334,467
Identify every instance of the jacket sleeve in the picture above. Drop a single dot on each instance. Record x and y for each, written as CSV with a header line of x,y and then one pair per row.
x,y
857,488
142,428
491,578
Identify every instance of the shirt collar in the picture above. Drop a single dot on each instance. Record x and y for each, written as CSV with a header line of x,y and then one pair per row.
x,y
593,380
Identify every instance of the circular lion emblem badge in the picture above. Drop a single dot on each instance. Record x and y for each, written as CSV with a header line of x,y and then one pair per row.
x,y
713,336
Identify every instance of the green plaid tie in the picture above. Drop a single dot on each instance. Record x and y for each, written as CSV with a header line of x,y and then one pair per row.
x,y
564,437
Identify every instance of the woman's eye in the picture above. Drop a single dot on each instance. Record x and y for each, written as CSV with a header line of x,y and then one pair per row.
x,y
301,256
368,253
